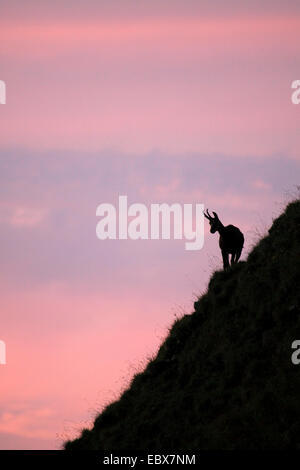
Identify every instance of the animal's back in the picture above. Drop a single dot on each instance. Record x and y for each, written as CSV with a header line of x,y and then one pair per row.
x,y
233,238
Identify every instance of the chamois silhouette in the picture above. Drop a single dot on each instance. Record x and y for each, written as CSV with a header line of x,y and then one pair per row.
x,y
231,239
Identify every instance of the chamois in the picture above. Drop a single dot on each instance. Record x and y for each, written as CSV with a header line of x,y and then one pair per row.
x,y
231,239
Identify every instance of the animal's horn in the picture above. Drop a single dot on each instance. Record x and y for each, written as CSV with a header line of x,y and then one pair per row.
x,y
206,215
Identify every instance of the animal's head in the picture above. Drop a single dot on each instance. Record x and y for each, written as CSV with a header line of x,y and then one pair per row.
x,y
214,222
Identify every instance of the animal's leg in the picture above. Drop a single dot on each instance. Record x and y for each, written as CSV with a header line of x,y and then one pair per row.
x,y
238,254
225,257
233,259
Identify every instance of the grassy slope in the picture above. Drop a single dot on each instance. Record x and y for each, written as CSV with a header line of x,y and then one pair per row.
x,y
223,378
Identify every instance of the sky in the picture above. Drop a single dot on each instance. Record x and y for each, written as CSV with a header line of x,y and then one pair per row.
x,y
174,101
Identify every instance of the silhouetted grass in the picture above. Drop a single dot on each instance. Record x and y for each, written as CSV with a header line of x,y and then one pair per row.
x,y
223,378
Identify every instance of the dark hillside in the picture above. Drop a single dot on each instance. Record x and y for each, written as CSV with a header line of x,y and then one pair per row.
x,y
223,378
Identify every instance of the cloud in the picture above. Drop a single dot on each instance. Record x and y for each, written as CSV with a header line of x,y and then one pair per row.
x,y
187,33
196,97
9,441
189,83
122,9
48,214
260,184
30,423
21,216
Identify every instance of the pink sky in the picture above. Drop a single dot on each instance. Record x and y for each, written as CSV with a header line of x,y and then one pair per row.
x,y
164,102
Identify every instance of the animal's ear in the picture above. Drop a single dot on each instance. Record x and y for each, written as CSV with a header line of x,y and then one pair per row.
x,y
216,215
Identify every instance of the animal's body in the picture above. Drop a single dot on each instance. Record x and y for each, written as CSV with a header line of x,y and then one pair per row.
x,y
231,240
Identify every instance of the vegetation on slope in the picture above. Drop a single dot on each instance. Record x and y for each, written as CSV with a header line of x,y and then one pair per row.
x,y
223,378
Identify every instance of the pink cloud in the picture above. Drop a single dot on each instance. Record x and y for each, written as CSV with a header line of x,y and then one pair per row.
x,y
81,361
190,84
187,33
21,216
28,422
260,184
80,317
